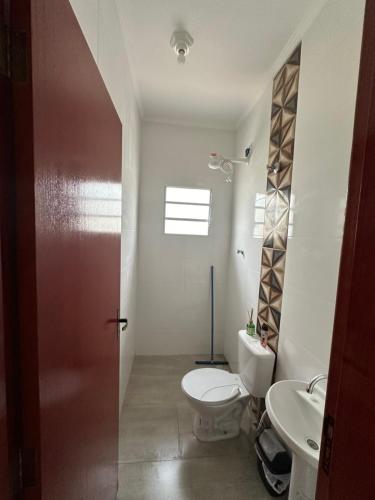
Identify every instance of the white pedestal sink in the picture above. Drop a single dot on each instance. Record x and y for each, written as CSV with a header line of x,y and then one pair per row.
x,y
297,417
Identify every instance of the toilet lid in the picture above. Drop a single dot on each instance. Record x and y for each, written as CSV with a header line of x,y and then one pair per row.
x,y
211,385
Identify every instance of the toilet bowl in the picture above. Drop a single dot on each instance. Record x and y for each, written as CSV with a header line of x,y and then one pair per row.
x,y
219,398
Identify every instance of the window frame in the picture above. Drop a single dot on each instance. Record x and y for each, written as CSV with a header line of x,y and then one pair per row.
x,y
209,205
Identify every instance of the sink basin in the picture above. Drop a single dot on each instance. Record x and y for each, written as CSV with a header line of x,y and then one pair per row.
x,y
297,417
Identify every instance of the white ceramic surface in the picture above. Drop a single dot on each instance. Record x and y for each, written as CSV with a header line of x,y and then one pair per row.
x,y
212,386
219,398
297,416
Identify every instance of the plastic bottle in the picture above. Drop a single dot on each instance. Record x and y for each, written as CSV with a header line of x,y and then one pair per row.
x,y
250,327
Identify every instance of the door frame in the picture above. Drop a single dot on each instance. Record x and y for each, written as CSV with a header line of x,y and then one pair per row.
x,y
23,160
362,170
9,318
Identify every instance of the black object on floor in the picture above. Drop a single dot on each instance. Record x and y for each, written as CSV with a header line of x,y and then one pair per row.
x,y
274,462
212,361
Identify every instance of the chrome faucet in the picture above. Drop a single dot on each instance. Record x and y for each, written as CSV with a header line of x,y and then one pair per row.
x,y
314,381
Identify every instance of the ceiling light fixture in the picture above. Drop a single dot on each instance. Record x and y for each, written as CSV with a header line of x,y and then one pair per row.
x,y
181,41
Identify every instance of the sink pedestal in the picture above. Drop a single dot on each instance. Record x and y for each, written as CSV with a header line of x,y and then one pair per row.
x,y
302,480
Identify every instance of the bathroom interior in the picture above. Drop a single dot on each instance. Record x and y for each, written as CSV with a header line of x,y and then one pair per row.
x,y
237,132
273,237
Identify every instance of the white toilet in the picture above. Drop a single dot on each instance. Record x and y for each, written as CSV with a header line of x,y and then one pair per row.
x,y
219,397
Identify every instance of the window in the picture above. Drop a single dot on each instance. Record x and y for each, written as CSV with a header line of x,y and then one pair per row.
x,y
187,211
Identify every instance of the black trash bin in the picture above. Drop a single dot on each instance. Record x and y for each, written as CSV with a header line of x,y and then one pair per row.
x,y
274,462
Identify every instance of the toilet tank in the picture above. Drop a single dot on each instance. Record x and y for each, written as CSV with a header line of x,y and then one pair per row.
x,y
255,364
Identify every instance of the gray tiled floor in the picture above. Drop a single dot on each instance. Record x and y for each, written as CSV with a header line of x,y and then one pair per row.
x,y
160,459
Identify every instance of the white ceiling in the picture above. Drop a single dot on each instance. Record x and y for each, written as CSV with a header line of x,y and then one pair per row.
x,y
235,44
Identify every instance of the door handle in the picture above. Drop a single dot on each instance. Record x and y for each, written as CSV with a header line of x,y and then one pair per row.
x,y
121,321
124,321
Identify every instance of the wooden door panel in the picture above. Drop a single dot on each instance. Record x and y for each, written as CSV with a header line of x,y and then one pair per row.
x,y
346,467
72,295
77,148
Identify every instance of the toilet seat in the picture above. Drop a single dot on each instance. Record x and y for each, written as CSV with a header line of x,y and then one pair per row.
x,y
212,386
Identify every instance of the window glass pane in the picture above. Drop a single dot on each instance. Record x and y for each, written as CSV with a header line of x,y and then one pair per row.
x,y
186,227
187,195
187,211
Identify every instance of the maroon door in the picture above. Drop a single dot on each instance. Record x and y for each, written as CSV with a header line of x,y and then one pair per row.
x,y
8,322
346,469
68,161
4,470
4,172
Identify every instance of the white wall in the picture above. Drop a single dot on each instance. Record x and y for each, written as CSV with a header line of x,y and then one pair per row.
x,y
326,105
173,308
100,24
243,272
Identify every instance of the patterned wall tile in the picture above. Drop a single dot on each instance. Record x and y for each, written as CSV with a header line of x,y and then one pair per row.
x,y
278,195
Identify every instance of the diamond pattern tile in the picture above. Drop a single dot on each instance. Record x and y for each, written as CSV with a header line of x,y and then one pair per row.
x,y
278,195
